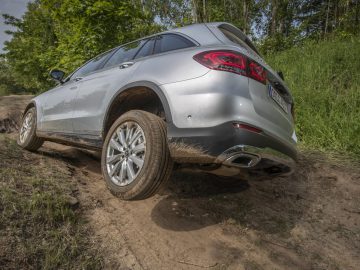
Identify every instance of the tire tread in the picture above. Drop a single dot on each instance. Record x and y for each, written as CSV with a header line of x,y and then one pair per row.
x,y
155,175
33,142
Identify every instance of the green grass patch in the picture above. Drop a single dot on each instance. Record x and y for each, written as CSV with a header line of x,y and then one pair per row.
x,y
39,227
324,78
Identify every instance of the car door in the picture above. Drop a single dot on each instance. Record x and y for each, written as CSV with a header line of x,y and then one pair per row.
x,y
97,89
58,106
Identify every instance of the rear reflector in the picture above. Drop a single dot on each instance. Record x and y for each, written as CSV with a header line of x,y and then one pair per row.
x,y
247,127
234,62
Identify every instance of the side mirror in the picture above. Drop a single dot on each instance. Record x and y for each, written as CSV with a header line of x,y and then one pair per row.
x,y
57,75
281,75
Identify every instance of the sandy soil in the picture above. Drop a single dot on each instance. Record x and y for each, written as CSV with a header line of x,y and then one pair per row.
x,y
310,220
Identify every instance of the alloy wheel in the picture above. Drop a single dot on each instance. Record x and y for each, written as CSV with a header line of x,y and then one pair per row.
x,y
125,153
26,127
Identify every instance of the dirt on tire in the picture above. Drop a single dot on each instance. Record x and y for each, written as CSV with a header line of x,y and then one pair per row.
x,y
310,220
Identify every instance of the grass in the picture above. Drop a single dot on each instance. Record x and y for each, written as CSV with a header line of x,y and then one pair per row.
x,y
3,91
324,78
39,227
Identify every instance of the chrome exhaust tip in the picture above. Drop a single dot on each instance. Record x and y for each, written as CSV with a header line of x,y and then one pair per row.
x,y
242,160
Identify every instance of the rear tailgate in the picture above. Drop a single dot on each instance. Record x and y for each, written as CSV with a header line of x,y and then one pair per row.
x,y
272,101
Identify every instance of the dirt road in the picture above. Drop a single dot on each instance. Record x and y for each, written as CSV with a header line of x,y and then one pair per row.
x,y
310,220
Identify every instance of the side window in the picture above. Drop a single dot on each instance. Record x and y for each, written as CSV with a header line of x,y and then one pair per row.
x,y
124,53
170,42
92,65
146,50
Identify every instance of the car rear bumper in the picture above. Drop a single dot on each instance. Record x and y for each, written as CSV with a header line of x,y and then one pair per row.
x,y
233,148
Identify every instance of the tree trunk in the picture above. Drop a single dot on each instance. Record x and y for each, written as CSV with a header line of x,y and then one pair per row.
x,y
274,8
194,11
204,11
143,5
327,17
224,10
357,15
245,16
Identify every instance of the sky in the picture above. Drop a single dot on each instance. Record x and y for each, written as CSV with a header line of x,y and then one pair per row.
x,y
12,7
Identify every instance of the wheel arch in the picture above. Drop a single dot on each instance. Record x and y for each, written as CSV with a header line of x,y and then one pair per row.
x,y
31,104
134,89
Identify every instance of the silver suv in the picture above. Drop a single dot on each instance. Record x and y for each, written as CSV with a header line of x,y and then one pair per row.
x,y
198,96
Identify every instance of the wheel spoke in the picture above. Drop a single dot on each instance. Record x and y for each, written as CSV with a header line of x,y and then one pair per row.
x,y
128,130
120,136
134,132
122,171
115,168
135,138
113,159
138,161
115,145
130,170
28,120
138,148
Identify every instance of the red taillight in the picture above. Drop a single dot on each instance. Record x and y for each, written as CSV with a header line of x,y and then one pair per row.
x,y
223,60
247,127
257,72
232,62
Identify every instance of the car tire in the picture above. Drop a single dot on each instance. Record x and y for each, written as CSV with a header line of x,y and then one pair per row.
x,y
27,138
135,160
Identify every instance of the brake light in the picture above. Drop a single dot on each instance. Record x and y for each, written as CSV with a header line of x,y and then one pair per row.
x,y
234,62
223,60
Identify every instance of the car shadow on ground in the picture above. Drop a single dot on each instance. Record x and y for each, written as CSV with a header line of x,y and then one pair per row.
x,y
196,200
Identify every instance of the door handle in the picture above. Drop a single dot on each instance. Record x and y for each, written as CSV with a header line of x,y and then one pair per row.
x,y
73,87
126,65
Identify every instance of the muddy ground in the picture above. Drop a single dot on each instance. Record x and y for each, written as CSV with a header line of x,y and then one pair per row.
x,y
310,220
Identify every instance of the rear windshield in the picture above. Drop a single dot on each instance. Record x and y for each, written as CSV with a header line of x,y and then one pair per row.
x,y
235,35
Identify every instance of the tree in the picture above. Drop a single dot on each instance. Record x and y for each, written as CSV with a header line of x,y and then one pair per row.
x,y
66,33
239,12
8,83
29,51
171,13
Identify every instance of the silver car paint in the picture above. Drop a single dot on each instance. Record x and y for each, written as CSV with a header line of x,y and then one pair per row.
x,y
55,108
93,96
219,97
197,97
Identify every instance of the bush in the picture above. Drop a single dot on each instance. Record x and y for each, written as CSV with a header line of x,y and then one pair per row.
x,y
324,78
